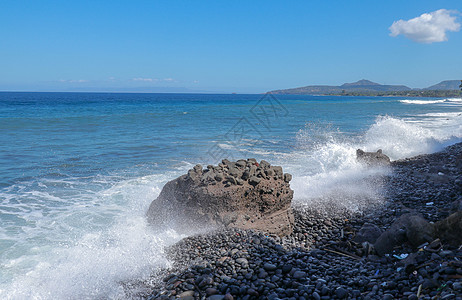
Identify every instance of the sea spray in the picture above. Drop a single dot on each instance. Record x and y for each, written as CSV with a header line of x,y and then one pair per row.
x,y
327,173
400,138
108,243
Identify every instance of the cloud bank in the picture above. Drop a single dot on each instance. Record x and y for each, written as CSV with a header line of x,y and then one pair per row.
x,y
73,80
427,28
145,79
153,79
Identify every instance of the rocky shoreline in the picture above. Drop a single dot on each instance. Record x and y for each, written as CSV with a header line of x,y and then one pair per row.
x,y
328,256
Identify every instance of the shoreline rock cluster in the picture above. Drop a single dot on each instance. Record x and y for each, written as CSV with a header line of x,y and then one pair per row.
x,y
336,256
243,194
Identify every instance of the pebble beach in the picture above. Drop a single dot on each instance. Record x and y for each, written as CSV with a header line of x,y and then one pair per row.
x,y
323,258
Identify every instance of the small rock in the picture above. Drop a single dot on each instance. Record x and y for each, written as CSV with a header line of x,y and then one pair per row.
x,y
269,267
252,292
299,275
211,291
262,275
241,163
316,296
198,168
341,293
254,180
186,294
286,269
264,164
228,297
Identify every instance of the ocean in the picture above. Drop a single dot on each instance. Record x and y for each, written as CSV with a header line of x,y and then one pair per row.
x,y
79,170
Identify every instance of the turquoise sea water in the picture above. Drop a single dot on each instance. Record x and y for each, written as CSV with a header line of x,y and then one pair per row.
x,y
79,170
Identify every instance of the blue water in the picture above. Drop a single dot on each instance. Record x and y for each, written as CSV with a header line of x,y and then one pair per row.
x,y
78,170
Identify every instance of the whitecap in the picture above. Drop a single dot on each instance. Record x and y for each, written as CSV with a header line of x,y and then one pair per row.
x,y
420,102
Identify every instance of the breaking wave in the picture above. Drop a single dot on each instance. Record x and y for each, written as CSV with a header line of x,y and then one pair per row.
x,y
324,163
450,100
88,246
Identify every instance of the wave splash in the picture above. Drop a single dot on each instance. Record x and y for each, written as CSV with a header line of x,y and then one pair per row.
x,y
108,244
324,164
423,102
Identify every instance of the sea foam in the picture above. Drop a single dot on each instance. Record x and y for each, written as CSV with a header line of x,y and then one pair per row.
x,y
108,244
423,102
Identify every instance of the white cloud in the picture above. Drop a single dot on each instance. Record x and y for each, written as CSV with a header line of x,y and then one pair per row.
x,y
73,80
428,28
145,79
153,79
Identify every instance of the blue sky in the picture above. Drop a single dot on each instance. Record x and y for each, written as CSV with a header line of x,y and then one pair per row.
x,y
222,46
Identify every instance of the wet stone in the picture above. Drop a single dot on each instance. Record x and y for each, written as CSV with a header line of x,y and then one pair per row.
x,y
269,267
242,261
299,275
341,293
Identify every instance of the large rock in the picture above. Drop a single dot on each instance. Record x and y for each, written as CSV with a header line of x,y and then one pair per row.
x,y
243,194
372,158
456,205
368,233
449,230
409,228
415,230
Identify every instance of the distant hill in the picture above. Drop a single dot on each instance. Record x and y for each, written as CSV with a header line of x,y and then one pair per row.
x,y
368,88
366,85
358,86
445,85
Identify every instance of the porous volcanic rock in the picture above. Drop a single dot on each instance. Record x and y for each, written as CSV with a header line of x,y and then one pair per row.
x,y
243,194
372,158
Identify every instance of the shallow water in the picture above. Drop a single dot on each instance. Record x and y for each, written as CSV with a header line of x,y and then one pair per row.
x,y
79,170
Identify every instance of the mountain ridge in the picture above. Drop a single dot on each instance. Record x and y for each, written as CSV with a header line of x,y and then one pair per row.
x,y
368,87
445,85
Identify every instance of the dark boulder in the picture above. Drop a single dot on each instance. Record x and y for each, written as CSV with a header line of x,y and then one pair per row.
x,y
449,230
368,233
456,205
372,158
242,194
409,228
415,230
